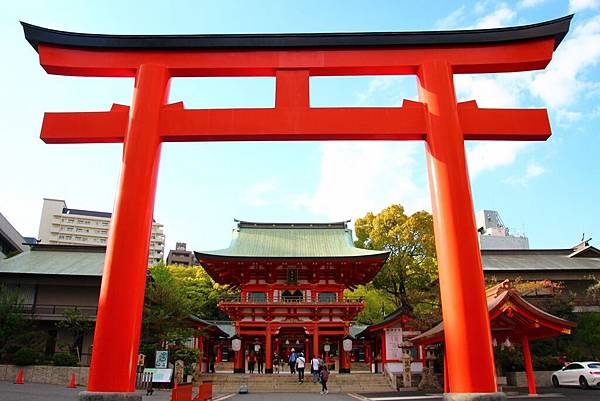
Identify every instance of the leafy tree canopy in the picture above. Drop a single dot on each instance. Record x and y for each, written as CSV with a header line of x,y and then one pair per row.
x,y
409,276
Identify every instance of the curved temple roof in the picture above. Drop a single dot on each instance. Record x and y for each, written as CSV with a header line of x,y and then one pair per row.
x,y
304,240
557,28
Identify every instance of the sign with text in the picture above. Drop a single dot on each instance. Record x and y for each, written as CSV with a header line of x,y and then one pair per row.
x,y
393,341
162,359
159,375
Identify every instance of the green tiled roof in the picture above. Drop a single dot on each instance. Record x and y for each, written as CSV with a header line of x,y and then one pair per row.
x,y
72,261
265,240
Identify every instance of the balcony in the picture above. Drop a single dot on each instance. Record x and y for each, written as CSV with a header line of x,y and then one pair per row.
x,y
290,300
57,312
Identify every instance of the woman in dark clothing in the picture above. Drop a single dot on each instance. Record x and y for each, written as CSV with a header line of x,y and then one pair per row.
x,y
324,375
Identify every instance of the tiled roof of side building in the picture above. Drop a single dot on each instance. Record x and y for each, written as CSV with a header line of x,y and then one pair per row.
x,y
537,260
57,260
291,240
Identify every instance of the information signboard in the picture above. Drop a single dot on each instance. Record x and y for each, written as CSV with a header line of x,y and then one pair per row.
x,y
159,375
162,359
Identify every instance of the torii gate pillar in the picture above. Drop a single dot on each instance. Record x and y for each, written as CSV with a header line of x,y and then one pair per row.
x,y
461,278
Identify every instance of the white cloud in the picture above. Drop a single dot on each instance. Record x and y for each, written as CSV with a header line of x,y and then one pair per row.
x,y
580,5
488,155
260,194
377,85
562,83
452,20
500,17
530,3
533,170
357,177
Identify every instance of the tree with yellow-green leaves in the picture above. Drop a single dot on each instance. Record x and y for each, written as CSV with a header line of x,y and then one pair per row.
x,y
409,277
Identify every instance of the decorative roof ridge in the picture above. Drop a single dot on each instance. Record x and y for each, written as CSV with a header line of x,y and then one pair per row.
x,y
251,224
556,28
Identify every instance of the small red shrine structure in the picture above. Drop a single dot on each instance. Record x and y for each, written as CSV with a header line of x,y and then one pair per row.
x,y
292,279
512,318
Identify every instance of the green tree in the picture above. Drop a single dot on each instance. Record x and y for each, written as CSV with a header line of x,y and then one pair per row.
x,y
77,324
202,292
410,274
166,309
12,322
377,303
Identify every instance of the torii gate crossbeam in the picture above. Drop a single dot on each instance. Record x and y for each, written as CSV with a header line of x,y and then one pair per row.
x,y
434,57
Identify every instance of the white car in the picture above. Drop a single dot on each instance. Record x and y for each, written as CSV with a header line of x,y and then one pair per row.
x,y
582,374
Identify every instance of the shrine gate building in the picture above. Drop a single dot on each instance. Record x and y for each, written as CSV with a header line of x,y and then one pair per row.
x,y
292,279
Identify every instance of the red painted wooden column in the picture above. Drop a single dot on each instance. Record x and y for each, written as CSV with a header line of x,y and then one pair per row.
x,y
268,351
383,351
117,333
316,341
239,365
528,366
470,361
219,356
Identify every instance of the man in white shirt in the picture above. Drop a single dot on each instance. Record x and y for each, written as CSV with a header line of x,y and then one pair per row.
x,y
300,362
314,368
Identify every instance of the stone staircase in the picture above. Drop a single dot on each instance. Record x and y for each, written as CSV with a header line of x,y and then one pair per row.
x,y
286,383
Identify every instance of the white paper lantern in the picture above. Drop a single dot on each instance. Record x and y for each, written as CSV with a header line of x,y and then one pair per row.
x,y
236,344
347,344
326,347
256,347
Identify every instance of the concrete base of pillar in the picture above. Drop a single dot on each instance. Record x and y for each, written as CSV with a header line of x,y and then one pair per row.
x,y
97,396
474,397
239,370
344,370
268,370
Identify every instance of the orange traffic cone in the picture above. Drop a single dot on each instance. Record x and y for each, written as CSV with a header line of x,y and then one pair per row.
x,y
72,382
19,379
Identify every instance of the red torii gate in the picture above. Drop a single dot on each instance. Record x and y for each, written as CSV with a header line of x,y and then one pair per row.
x,y
292,58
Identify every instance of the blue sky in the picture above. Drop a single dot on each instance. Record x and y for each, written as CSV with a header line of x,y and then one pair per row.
x,y
548,190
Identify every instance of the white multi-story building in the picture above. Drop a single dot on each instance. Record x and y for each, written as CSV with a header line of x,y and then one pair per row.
x,y
61,225
493,234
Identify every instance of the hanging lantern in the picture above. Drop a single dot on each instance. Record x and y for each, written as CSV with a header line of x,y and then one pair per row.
x,y
256,347
494,343
326,347
236,344
507,343
347,344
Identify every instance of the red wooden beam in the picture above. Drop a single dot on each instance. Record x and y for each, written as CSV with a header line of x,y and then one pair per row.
x,y
506,57
297,124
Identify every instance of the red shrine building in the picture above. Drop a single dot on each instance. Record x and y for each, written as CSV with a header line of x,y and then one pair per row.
x,y
291,279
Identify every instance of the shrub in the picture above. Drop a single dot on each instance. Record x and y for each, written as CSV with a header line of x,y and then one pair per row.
x,y
62,359
25,357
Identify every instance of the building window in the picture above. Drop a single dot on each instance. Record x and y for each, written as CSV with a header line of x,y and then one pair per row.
x,y
288,296
327,297
257,297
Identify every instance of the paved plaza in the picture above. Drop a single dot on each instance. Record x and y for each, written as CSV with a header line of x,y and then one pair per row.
x,y
46,392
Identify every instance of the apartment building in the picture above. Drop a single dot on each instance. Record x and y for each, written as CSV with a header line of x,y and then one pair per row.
x,y
62,225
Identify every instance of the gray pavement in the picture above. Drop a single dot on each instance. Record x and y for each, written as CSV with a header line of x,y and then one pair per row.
x,y
46,392
291,397
49,392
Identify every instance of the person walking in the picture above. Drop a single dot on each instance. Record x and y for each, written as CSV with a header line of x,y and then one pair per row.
x,y
292,361
300,362
314,368
251,362
324,376
260,360
276,362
